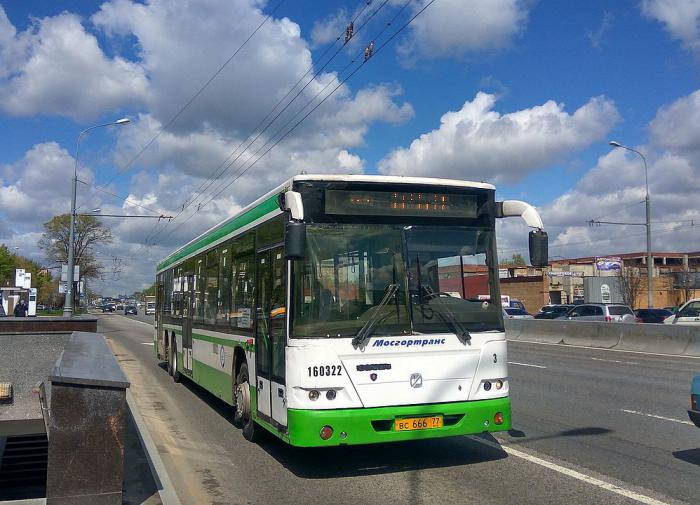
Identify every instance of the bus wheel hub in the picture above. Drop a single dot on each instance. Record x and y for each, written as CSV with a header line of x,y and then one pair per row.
x,y
243,400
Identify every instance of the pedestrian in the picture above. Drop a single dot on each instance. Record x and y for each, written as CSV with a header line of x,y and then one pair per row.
x,y
19,309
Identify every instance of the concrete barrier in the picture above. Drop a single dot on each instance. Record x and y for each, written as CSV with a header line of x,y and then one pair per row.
x,y
656,338
661,338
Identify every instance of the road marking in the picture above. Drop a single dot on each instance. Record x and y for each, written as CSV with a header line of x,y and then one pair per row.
x,y
681,421
525,364
604,349
627,493
615,361
147,343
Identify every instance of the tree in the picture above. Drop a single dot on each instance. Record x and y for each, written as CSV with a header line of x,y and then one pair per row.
x,y
630,285
515,260
89,233
7,265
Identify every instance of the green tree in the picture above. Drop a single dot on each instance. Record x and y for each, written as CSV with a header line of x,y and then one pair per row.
x,y
515,260
7,265
89,233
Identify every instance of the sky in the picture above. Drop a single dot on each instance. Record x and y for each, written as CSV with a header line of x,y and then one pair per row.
x,y
523,94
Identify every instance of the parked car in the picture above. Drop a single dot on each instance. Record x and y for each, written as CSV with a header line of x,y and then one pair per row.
x,y
689,313
610,312
130,309
108,307
513,313
553,311
694,412
652,315
120,306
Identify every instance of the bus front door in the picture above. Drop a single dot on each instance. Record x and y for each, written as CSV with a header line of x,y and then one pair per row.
x,y
270,337
189,304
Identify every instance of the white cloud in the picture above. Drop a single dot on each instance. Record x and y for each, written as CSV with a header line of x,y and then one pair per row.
x,y
478,143
55,67
681,19
451,28
676,127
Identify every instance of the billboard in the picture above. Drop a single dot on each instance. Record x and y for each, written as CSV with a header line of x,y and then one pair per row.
x,y
607,263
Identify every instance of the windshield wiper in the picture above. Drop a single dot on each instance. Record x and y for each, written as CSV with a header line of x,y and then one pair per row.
x,y
448,316
366,330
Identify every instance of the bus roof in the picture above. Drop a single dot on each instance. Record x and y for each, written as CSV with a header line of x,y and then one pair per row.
x,y
268,203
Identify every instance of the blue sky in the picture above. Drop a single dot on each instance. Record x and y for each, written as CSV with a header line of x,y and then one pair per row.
x,y
524,94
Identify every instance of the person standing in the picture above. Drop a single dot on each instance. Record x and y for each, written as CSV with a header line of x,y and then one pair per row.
x,y
19,309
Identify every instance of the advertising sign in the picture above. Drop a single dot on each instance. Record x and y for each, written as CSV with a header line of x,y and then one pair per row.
x,y
64,273
607,263
565,274
19,277
605,293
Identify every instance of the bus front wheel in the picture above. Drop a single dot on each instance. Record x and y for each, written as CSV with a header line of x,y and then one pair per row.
x,y
243,416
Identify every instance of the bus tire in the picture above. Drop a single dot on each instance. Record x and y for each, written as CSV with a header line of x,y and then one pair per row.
x,y
172,363
243,417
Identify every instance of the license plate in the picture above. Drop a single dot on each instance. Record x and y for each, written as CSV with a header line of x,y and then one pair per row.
x,y
418,423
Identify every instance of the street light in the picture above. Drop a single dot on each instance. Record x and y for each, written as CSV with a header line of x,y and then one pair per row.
x,y
68,305
650,260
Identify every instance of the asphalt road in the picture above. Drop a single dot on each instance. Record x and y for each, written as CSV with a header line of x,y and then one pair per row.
x,y
584,435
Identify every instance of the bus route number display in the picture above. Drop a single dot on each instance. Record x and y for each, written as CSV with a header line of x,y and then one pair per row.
x,y
394,203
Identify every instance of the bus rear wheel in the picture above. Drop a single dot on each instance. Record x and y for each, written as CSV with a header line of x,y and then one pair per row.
x,y
172,362
243,418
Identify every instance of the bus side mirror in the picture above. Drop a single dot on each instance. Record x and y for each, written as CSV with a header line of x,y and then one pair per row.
x,y
294,240
539,248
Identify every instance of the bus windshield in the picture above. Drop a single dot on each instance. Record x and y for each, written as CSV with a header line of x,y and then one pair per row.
x,y
439,272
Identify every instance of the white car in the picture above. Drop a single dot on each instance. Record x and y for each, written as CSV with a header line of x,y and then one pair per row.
x,y
689,313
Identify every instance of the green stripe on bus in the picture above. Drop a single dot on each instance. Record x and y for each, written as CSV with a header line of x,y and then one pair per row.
x,y
214,380
476,417
227,227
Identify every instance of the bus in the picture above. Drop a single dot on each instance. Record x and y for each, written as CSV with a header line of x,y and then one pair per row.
x,y
344,309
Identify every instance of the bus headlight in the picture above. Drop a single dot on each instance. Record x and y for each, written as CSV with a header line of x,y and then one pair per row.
x,y
330,394
499,384
487,386
313,395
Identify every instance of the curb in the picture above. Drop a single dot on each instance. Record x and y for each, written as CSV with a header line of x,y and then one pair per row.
x,y
166,490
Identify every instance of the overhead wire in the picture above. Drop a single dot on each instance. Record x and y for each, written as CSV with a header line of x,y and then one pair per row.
x,y
191,100
226,164
239,174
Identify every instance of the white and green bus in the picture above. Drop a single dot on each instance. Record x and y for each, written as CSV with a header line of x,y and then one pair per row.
x,y
345,310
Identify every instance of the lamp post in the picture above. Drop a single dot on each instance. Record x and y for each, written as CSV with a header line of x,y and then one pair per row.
x,y
68,305
650,260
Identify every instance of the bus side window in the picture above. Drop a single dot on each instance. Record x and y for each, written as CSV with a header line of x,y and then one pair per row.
x,y
242,282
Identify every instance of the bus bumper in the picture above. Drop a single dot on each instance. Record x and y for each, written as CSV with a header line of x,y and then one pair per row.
x,y
376,425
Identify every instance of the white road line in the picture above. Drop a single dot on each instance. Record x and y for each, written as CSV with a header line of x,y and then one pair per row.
x,y
615,361
147,343
525,364
680,421
604,349
627,493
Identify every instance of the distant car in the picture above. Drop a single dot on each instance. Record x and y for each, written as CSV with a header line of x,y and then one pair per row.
x,y
120,306
652,315
41,307
688,313
553,311
513,313
611,313
694,412
514,303
130,309
108,307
